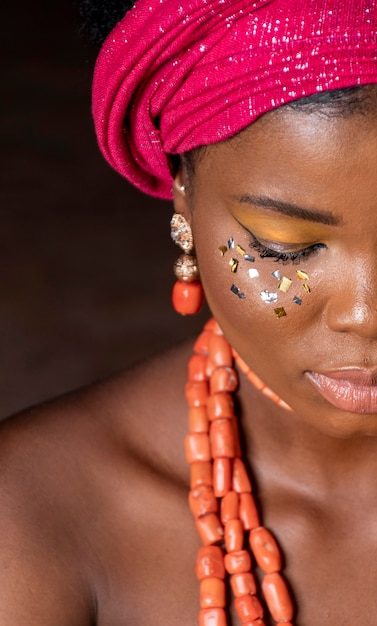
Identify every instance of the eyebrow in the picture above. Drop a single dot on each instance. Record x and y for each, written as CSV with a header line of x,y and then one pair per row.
x,y
291,210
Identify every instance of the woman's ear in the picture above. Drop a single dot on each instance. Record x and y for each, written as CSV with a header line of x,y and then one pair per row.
x,y
180,196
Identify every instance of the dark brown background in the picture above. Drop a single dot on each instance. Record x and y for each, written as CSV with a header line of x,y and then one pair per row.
x,y
85,260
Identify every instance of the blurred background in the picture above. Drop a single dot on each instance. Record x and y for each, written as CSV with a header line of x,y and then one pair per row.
x,y
85,260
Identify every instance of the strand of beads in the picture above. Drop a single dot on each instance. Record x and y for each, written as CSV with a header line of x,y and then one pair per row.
x,y
218,473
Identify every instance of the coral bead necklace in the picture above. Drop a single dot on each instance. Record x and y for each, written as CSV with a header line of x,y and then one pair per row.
x,y
221,498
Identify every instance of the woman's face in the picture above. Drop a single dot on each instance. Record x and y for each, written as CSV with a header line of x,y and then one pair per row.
x,y
298,192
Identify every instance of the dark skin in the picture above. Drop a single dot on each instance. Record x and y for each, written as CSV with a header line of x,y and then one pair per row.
x,y
95,527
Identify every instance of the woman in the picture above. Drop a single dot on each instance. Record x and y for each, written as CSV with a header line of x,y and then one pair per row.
x,y
279,195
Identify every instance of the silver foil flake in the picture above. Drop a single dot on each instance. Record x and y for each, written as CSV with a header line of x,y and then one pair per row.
x,y
231,244
297,300
268,296
276,274
253,273
236,290
250,258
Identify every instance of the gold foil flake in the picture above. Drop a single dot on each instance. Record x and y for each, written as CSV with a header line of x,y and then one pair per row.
x,y
306,288
231,244
253,273
233,265
236,290
267,296
241,251
285,284
302,275
276,274
297,300
280,312
223,250
250,258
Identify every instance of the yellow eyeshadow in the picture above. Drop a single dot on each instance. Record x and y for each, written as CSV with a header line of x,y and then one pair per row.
x,y
281,229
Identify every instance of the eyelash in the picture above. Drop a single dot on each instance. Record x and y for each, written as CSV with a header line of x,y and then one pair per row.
x,y
284,257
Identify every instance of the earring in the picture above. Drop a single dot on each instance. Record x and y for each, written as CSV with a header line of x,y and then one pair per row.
x,y
188,295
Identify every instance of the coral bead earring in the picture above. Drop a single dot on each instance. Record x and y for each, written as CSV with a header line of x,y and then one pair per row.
x,y
188,295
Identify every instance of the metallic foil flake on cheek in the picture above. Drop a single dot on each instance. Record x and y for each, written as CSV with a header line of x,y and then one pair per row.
x,y
306,288
250,258
231,244
280,312
223,250
267,296
241,251
285,284
276,274
297,300
238,292
233,265
253,273
302,275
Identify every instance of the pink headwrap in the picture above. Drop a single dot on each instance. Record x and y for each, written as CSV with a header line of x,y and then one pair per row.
x,y
177,74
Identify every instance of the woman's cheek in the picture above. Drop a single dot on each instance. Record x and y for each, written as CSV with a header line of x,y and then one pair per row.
x,y
261,288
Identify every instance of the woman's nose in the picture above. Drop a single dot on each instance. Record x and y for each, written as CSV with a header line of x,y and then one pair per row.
x,y
352,305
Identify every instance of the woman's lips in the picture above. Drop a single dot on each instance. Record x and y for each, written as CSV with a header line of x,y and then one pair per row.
x,y
353,390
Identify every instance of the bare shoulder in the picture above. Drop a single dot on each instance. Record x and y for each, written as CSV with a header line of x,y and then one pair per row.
x,y
90,485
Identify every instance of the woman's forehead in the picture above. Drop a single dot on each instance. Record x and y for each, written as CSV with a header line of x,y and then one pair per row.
x,y
309,159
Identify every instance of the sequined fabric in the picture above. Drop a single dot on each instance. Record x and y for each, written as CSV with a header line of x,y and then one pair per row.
x,y
177,74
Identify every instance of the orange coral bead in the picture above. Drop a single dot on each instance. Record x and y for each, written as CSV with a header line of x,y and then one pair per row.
x,y
265,550
277,597
271,395
219,351
230,507
220,405
210,563
197,367
248,608
201,344
223,379
241,482
285,406
241,363
209,529
212,593
196,393
187,297
243,584
222,477
210,368
258,622
233,536
213,326
221,438
248,512
237,562
200,474
198,420
212,617
202,501
197,447
255,380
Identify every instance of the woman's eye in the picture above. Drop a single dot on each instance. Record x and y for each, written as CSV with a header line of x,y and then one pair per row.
x,y
284,257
